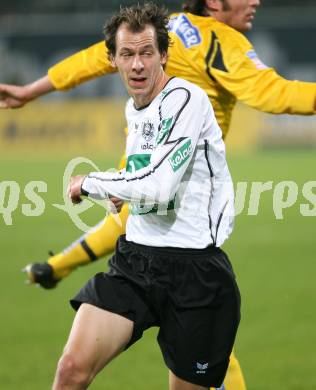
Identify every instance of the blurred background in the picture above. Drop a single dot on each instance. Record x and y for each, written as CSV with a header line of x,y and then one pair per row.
x,y
34,35
274,259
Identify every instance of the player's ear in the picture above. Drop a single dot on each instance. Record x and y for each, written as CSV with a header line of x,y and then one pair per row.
x,y
163,58
112,60
214,5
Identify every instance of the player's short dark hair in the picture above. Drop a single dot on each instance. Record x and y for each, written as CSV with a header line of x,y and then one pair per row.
x,y
137,17
196,7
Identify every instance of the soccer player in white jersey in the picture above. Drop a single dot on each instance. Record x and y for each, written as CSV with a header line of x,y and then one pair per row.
x,y
169,270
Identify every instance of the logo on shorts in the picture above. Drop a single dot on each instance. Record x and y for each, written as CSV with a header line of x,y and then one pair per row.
x,y
180,156
201,368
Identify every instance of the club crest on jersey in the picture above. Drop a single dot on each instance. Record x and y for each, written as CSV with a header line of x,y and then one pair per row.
x,y
148,130
180,156
185,30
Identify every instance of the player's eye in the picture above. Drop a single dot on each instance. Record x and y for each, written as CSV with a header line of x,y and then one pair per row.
x,y
126,54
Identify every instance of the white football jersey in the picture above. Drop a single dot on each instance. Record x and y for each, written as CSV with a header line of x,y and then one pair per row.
x,y
176,178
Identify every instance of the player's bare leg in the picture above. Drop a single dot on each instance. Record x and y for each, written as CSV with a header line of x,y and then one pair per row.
x,y
96,337
176,383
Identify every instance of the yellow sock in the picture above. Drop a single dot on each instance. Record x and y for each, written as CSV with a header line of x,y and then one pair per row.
x,y
234,379
64,262
103,238
97,243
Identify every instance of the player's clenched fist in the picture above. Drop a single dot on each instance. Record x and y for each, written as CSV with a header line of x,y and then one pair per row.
x,y
12,96
15,96
74,190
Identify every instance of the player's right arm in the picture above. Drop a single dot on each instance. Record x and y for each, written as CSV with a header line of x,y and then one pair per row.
x,y
241,72
82,66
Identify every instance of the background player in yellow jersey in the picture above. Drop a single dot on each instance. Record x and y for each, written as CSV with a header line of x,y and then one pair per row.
x,y
209,51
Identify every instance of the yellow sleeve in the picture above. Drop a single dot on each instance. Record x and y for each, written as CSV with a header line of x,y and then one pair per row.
x,y
243,74
82,66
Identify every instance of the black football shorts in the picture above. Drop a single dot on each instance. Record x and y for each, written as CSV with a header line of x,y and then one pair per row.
x,y
190,294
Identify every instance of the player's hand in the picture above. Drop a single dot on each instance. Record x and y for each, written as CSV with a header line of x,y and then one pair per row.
x,y
74,188
13,96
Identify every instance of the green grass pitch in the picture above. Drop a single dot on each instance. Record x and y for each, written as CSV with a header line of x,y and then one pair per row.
x,y
274,261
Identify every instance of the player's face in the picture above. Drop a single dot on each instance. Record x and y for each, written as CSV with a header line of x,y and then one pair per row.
x,y
139,63
238,14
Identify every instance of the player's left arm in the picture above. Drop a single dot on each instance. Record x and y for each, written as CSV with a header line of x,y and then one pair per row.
x,y
244,75
82,66
15,96
175,145
85,65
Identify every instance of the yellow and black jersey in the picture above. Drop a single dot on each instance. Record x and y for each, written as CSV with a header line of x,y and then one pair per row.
x,y
213,56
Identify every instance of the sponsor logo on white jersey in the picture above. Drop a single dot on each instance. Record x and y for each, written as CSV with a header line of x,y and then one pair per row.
x,y
165,127
147,146
180,156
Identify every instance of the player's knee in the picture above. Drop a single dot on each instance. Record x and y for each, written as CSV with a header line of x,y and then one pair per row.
x,y
71,372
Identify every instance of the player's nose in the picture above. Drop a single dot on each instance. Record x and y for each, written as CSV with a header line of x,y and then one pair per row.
x,y
137,64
